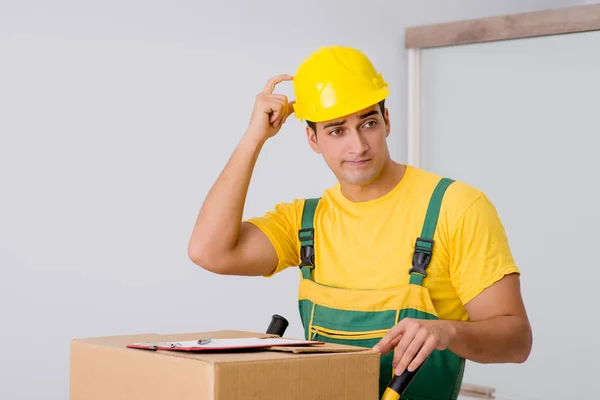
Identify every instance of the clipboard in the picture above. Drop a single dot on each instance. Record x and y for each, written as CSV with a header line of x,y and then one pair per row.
x,y
208,344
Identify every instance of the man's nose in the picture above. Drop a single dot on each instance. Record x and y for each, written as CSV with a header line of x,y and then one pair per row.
x,y
358,144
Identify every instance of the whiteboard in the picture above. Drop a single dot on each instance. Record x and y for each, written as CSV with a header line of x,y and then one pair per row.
x,y
520,120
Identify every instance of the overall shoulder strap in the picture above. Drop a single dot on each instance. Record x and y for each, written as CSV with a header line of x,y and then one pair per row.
x,y
306,235
424,244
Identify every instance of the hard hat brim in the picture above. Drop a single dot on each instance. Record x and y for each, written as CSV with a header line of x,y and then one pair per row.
x,y
338,111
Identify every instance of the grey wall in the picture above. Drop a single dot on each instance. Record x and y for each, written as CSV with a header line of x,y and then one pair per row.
x,y
115,118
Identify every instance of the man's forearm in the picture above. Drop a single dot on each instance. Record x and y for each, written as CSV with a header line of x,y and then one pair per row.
x,y
218,224
218,239
501,339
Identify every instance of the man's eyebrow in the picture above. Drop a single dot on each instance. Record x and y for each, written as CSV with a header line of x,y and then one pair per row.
x,y
334,124
344,121
368,114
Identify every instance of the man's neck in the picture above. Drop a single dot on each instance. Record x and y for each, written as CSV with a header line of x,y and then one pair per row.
x,y
391,174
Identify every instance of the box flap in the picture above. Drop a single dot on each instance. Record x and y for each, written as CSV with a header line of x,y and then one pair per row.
x,y
323,348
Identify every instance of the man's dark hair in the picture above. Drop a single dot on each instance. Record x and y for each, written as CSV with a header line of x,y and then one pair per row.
x,y
313,125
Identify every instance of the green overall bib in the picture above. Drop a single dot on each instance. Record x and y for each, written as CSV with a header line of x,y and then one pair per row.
x,y
361,317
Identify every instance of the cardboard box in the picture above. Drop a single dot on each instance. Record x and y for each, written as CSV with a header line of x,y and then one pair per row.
x,y
104,369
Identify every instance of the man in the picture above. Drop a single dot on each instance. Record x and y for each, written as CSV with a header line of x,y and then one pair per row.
x,y
356,244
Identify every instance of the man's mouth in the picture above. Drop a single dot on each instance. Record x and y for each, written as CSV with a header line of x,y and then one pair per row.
x,y
358,162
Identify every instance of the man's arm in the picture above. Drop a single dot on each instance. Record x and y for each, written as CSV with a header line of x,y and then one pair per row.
x,y
220,242
498,331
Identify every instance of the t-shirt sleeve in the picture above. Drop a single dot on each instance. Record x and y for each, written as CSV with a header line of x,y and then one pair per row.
x,y
480,254
280,225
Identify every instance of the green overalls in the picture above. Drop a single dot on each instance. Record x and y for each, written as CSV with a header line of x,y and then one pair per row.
x,y
361,317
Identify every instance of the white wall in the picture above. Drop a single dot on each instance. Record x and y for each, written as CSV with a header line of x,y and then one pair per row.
x,y
115,118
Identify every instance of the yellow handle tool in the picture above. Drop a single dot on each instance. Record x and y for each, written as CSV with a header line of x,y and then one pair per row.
x,y
398,384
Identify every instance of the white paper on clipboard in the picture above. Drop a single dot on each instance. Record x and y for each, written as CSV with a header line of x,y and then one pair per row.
x,y
221,344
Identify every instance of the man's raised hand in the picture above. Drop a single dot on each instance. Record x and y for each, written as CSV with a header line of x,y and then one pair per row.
x,y
270,110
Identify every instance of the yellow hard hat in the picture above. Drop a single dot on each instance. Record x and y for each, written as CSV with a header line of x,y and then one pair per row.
x,y
336,81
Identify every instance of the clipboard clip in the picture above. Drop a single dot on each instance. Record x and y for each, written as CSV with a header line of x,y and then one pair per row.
x,y
172,345
199,341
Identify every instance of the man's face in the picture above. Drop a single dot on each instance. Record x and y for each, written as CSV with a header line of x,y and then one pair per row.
x,y
354,146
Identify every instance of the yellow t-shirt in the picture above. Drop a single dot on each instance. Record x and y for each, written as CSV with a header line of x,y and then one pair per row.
x,y
369,244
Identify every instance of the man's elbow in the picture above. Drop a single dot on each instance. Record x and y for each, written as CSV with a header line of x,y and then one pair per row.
x,y
524,350
206,260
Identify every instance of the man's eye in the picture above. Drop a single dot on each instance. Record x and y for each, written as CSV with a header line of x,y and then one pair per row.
x,y
336,132
370,124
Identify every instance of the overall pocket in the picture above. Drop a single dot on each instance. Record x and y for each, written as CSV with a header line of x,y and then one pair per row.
x,y
345,336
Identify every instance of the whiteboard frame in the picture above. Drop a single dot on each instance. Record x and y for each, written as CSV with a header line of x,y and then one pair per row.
x,y
414,107
507,27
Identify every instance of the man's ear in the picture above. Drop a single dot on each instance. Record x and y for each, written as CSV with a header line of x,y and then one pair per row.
x,y
312,139
386,118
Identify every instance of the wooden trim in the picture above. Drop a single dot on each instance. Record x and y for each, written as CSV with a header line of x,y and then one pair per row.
x,y
515,26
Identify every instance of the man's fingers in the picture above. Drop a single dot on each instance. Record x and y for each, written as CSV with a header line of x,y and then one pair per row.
x,y
274,113
407,339
271,83
425,351
290,109
408,349
276,109
390,339
280,97
280,114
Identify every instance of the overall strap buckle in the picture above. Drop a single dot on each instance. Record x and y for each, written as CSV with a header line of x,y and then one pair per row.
x,y
421,256
306,235
307,251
